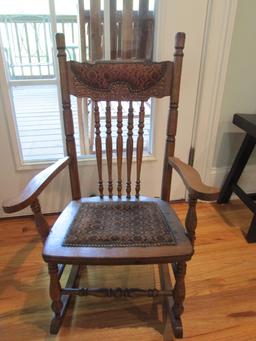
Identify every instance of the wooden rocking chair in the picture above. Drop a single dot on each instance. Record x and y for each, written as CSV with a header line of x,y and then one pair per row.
x,y
118,230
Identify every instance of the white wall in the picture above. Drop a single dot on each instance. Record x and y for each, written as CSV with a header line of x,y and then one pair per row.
x,y
226,86
240,85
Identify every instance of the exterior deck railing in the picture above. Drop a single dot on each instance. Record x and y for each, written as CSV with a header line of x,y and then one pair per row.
x,y
27,41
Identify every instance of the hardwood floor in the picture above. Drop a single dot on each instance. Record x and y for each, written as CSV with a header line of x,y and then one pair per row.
x,y
221,287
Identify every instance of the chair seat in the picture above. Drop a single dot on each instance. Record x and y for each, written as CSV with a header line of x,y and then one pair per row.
x,y
117,231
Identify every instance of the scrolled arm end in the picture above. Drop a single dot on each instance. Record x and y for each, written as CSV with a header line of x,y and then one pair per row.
x,y
29,194
192,180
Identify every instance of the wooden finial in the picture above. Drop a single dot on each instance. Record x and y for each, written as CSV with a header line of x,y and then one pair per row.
x,y
60,41
180,40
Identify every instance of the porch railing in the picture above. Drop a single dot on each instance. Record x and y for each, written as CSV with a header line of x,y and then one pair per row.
x,y
28,47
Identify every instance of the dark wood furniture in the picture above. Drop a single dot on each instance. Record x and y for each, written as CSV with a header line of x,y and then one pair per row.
x,y
136,230
247,122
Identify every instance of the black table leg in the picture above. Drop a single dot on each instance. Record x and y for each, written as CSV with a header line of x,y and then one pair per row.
x,y
237,168
251,234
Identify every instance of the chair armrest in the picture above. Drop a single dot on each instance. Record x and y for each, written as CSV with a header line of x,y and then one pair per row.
x,y
34,187
193,182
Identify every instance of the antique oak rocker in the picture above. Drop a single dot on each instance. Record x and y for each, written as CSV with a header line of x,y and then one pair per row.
x,y
118,229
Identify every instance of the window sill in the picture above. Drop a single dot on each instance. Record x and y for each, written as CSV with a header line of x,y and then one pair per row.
x,y
82,161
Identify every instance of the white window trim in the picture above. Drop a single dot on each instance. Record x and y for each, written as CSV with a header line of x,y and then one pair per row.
x,y
86,161
211,84
9,111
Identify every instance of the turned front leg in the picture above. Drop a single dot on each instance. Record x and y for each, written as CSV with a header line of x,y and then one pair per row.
x,y
179,289
55,294
191,218
41,224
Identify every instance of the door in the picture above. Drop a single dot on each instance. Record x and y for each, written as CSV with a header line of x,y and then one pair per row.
x,y
189,17
171,16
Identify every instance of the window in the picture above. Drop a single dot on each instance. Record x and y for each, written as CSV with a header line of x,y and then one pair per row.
x,y
93,30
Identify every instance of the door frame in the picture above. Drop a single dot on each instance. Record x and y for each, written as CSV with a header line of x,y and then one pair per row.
x,y
214,64
175,16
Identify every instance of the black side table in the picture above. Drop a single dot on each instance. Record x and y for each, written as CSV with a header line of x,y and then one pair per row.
x,y
246,122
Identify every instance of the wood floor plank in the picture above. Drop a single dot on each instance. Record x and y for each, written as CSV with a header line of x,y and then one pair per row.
x,y
221,287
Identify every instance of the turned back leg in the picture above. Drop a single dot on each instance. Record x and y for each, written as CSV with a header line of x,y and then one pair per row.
x,y
55,294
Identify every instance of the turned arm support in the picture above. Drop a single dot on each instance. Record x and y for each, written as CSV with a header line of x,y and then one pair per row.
x,y
29,194
193,182
196,189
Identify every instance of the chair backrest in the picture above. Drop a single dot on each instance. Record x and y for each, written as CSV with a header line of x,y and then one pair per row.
x,y
120,81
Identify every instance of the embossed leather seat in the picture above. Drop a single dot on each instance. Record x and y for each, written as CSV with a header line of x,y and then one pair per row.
x,y
117,231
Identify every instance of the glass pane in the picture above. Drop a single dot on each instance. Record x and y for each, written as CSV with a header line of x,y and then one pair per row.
x,y
25,7
66,21
38,122
27,42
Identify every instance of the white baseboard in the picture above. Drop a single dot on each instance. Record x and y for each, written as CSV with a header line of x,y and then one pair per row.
x,y
247,181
